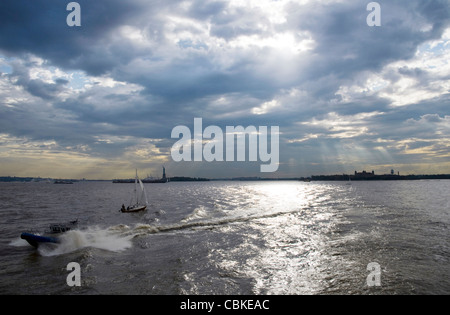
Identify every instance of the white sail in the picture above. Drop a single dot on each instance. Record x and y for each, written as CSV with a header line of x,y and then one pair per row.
x,y
138,199
144,195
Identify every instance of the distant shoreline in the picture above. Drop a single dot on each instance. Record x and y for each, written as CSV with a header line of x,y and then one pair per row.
x,y
343,177
377,177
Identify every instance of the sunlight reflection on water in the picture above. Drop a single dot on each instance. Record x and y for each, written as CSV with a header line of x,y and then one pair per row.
x,y
234,238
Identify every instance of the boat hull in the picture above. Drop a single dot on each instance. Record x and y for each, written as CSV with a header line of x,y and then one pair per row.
x,y
35,240
131,210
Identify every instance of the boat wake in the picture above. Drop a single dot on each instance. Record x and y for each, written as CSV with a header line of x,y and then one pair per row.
x,y
103,239
194,222
120,237
18,242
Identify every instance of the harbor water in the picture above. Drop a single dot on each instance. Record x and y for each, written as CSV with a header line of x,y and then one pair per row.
x,y
230,238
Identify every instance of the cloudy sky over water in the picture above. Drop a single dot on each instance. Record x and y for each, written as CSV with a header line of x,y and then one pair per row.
x,y
99,100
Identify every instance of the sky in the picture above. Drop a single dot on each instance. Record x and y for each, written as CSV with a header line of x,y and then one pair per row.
x,y
100,100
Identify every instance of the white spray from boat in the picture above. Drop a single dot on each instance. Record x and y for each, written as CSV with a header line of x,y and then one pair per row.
x,y
103,239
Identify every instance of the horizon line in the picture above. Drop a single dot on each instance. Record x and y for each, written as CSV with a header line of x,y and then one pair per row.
x,y
227,178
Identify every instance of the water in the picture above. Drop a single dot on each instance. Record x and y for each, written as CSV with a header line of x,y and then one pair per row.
x,y
230,238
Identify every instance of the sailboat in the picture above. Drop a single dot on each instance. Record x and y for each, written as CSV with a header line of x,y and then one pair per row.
x,y
137,201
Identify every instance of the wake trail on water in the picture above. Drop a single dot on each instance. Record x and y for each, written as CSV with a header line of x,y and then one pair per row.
x,y
147,229
120,237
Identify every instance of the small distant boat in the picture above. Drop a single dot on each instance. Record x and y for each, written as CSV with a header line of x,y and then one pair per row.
x,y
36,239
349,181
63,182
134,208
137,202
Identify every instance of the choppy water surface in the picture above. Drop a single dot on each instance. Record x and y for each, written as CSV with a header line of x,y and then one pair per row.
x,y
230,238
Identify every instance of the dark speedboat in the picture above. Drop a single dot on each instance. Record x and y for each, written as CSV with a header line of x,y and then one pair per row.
x,y
51,236
35,240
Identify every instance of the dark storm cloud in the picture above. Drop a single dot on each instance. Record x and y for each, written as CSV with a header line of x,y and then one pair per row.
x,y
47,91
345,45
203,59
40,27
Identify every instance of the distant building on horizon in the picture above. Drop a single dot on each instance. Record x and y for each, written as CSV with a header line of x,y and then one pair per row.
x,y
364,174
